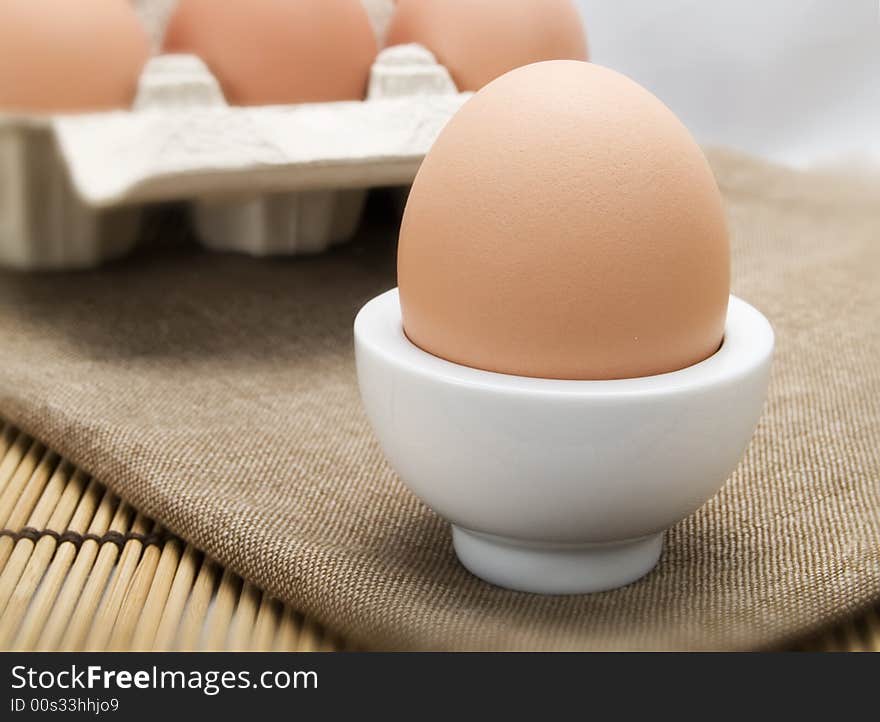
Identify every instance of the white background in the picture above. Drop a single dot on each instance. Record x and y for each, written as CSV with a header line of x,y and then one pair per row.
x,y
797,81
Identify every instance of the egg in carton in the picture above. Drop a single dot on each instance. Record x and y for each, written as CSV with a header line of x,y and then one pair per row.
x,y
261,180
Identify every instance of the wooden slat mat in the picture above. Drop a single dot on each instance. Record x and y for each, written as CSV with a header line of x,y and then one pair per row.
x,y
81,570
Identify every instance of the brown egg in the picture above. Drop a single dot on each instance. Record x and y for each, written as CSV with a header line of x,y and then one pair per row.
x,y
565,225
478,41
58,55
267,52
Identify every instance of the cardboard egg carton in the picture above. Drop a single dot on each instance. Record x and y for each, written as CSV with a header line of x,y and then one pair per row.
x,y
260,180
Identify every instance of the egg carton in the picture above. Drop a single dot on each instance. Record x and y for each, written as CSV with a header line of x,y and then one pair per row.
x,y
260,180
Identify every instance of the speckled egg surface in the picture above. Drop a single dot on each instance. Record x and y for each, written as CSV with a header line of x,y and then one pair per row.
x,y
267,52
63,56
565,225
478,41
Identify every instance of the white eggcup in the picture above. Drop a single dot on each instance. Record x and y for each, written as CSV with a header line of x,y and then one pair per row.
x,y
554,486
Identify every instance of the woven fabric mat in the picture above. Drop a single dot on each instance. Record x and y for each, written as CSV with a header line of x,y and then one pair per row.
x,y
82,570
218,395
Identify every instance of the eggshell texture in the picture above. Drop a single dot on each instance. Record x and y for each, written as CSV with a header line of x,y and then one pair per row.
x,y
478,41
267,52
565,225
63,56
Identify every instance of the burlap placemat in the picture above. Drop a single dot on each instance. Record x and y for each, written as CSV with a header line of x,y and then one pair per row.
x,y
218,394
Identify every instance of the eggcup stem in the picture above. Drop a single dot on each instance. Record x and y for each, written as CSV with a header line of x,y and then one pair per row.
x,y
552,569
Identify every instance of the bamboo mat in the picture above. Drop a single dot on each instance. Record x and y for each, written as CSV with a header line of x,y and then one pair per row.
x,y
82,570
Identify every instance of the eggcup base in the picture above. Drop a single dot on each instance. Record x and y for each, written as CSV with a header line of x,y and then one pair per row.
x,y
543,569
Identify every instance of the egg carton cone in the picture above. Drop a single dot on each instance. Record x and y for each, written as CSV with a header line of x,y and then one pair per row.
x,y
273,180
154,15
379,12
